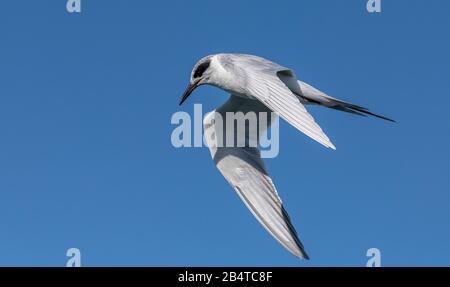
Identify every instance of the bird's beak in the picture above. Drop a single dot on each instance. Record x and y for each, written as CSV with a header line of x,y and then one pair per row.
x,y
189,91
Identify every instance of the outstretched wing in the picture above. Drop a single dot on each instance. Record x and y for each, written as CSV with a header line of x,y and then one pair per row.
x,y
244,170
275,86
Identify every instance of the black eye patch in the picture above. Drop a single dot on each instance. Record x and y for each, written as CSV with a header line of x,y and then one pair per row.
x,y
201,69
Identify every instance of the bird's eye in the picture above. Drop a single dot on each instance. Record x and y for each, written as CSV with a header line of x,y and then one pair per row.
x,y
201,69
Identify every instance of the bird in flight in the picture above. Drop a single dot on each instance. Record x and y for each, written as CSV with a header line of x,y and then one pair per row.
x,y
261,86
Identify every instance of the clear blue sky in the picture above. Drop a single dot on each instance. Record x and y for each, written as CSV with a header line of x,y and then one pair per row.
x,y
86,159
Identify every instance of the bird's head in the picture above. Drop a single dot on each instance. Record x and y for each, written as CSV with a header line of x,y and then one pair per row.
x,y
201,74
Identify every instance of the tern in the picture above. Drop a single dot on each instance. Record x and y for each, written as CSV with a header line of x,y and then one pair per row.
x,y
260,86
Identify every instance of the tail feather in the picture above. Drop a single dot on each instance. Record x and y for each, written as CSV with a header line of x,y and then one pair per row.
x,y
311,94
348,110
367,112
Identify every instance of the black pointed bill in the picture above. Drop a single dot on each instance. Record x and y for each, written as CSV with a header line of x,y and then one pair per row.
x,y
189,91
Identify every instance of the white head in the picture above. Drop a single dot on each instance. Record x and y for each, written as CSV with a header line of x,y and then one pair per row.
x,y
201,74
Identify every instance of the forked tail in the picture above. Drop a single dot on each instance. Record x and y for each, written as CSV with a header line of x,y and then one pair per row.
x,y
314,96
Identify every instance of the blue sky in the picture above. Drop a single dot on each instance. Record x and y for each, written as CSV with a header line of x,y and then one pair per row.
x,y
86,159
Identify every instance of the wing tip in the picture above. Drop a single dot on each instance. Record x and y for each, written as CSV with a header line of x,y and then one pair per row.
x,y
305,257
301,254
329,144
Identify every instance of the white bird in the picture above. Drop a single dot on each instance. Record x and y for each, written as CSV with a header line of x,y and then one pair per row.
x,y
259,85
